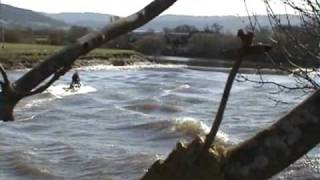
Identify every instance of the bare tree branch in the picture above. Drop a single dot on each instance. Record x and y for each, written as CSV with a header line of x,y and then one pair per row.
x,y
4,75
300,74
272,14
249,16
262,82
42,88
246,49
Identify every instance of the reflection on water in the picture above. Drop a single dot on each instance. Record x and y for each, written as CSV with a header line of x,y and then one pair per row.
x,y
124,118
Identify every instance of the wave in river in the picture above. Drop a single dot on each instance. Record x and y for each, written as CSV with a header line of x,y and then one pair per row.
x,y
175,128
57,92
148,108
191,126
129,67
21,164
37,102
61,91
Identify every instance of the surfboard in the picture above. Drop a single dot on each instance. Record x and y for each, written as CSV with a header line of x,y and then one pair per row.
x,y
74,88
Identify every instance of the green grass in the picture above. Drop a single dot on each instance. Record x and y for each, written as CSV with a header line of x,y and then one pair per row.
x,y
16,49
29,54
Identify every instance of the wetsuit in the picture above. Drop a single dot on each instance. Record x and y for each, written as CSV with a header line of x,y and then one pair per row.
x,y
75,80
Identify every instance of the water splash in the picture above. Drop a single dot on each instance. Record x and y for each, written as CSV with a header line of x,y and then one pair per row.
x,y
129,67
178,127
37,102
191,126
148,108
179,88
22,164
59,91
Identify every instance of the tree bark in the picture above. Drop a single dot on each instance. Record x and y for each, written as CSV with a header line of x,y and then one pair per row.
x,y
258,158
65,58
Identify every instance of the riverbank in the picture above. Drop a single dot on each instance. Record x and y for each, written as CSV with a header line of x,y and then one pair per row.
x,y
19,56
218,65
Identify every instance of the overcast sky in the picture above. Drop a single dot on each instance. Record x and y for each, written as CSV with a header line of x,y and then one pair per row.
x,y
126,7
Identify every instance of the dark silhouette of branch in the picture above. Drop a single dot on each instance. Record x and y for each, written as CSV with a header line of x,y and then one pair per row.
x,y
4,76
42,88
273,16
246,49
262,82
300,74
219,116
253,27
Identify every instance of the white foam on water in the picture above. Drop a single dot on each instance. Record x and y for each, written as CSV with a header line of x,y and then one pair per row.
x,y
27,118
128,67
190,125
61,90
169,91
314,74
36,102
193,126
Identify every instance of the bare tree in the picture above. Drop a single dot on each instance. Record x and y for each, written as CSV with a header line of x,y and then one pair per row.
x,y
61,62
297,46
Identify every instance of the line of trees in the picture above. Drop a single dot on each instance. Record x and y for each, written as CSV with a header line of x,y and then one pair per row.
x,y
44,36
189,41
213,42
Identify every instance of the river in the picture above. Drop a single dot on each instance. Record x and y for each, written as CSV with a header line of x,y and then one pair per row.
x,y
125,118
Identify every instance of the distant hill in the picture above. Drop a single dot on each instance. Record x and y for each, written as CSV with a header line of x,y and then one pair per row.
x,y
13,16
230,23
92,20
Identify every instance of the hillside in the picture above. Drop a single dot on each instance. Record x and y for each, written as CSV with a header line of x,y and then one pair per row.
x,y
22,17
230,23
93,20
13,16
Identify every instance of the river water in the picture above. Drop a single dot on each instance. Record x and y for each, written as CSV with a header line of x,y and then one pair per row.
x,y
125,118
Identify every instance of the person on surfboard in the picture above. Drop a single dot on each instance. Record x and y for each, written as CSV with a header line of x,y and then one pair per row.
x,y
75,83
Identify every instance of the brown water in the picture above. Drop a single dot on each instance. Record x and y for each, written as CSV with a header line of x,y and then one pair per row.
x,y
123,119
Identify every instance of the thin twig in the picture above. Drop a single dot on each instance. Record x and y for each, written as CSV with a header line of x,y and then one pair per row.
x,y
219,116
246,49
4,75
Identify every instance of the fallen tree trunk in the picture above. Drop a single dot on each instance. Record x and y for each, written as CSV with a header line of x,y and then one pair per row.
x,y
258,158
62,61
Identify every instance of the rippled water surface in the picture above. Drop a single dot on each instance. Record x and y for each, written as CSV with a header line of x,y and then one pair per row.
x,y
123,119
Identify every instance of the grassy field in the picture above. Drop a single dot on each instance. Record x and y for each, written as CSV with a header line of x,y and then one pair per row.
x,y
27,55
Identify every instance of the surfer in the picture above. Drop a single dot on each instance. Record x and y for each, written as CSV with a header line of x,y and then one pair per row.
x,y
75,83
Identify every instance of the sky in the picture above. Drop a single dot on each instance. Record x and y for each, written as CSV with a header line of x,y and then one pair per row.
x,y
127,7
